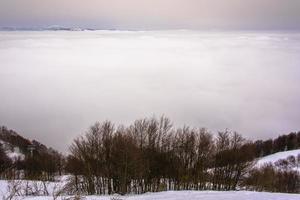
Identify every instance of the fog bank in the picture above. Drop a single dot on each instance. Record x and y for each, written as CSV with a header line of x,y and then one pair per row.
x,y
55,84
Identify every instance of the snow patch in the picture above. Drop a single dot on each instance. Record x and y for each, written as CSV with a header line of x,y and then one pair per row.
x,y
277,156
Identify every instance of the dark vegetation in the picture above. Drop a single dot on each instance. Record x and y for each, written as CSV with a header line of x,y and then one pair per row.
x,y
275,178
40,162
152,155
281,143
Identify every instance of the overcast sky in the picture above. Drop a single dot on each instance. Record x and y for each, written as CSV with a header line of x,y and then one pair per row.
x,y
152,14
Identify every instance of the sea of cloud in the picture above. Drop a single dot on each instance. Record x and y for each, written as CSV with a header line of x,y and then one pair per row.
x,y
55,84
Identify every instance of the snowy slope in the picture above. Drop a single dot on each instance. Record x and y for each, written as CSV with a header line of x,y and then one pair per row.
x,y
277,156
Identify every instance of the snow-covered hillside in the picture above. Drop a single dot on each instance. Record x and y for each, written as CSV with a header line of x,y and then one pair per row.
x,y
277,156
15,146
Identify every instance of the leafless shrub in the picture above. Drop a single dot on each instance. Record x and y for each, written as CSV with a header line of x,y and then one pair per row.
x,y
75,185
58,191
35,188
14,190
116,197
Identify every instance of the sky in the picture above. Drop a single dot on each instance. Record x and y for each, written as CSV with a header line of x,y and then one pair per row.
x,y
54,85
153,14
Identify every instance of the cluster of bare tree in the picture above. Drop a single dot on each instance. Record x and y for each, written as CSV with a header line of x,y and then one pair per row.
x,y
5,162
151,155
280,177
281,143
41,165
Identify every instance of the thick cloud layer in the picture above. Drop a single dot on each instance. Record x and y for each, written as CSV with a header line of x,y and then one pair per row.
x,y
153,14
55,84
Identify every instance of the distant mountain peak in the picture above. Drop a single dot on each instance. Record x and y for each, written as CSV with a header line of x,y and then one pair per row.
x,y
48,28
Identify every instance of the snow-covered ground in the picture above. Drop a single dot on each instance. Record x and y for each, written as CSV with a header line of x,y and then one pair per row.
x,y
192,195
169,195
277,156
207,195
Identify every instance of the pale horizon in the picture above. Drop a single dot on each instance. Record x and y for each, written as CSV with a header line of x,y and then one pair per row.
x,y
153,15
